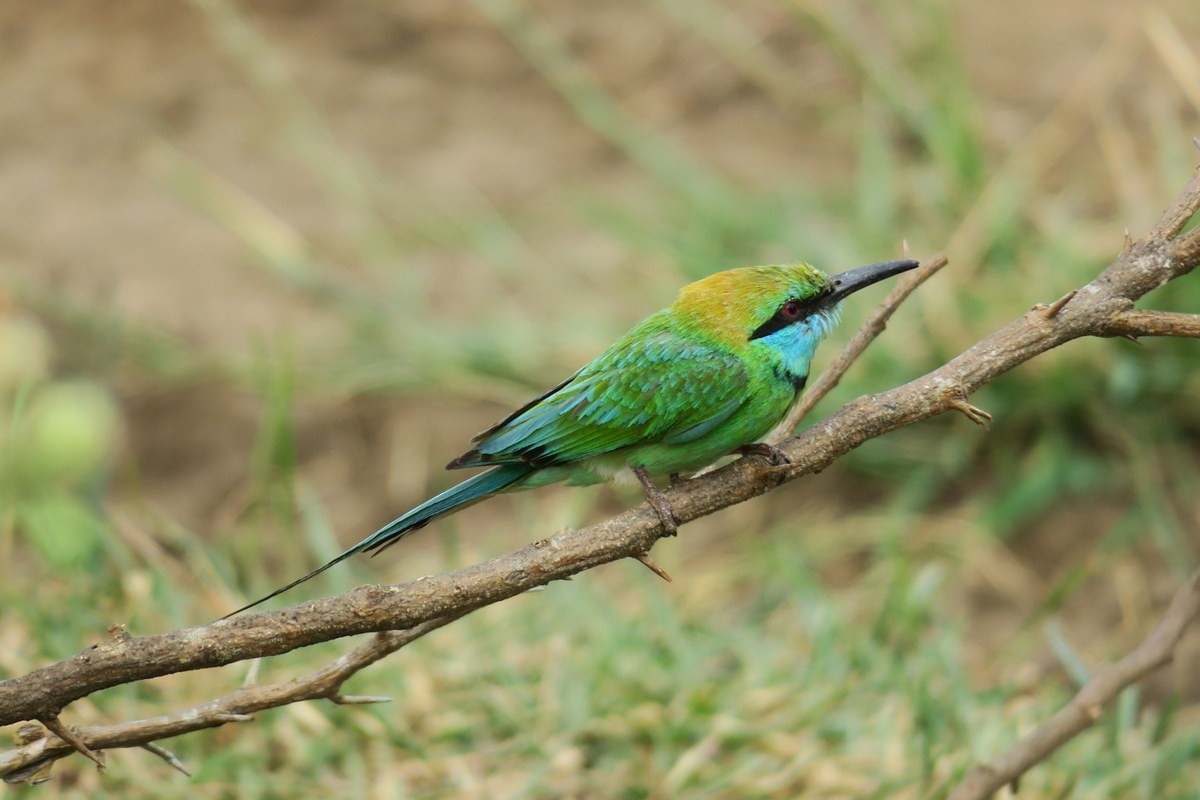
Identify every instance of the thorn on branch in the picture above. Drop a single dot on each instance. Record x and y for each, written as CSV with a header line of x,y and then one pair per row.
x,y
1051,311
973,413
167,756
357,699
652,566
55,726
225,717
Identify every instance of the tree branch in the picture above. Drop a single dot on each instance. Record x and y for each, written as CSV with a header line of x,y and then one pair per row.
x,y
1093,310
39,750
1084,709
1154,323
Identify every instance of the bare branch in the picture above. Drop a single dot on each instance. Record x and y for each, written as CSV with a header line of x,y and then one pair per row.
x,y
1154,323
1085,708
1177,215
1188,246
38,751
167,756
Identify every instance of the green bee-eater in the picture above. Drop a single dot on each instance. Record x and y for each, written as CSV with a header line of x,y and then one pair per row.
x,y
708,377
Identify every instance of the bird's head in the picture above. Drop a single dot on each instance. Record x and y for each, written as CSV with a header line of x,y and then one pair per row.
x,y
788,307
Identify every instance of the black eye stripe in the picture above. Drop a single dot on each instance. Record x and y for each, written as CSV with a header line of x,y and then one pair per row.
x,y
781,319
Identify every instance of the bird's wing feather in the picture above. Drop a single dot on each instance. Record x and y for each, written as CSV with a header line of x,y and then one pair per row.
x,y
652,386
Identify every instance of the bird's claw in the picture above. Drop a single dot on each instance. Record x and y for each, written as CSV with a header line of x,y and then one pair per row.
x,y
665,514
774,456
659,502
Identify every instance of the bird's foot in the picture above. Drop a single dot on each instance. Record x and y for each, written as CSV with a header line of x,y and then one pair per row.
x,y
658,502
770,452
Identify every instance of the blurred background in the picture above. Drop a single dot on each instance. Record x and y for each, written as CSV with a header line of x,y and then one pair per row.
x,y
265,267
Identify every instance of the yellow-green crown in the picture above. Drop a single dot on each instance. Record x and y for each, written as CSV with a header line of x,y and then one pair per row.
x,y
733,303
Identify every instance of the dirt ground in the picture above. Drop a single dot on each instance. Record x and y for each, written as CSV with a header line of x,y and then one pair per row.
x,y
431,94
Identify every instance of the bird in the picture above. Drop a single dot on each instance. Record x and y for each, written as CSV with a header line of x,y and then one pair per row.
x,y
705,378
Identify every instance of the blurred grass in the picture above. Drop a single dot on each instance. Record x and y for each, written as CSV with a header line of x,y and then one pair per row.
x,y
869,640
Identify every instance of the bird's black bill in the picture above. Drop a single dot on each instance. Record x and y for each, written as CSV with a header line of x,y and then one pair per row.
x,y
850,281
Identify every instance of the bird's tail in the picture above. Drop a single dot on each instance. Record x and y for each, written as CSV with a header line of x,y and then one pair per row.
x,y
467,493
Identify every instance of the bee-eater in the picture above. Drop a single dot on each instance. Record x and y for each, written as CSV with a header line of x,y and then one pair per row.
x,y
706,378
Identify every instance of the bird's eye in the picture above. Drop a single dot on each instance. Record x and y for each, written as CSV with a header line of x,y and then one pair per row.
x,y
790,313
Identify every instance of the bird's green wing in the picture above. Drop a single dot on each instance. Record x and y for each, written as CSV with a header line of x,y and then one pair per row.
x,y
652,386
